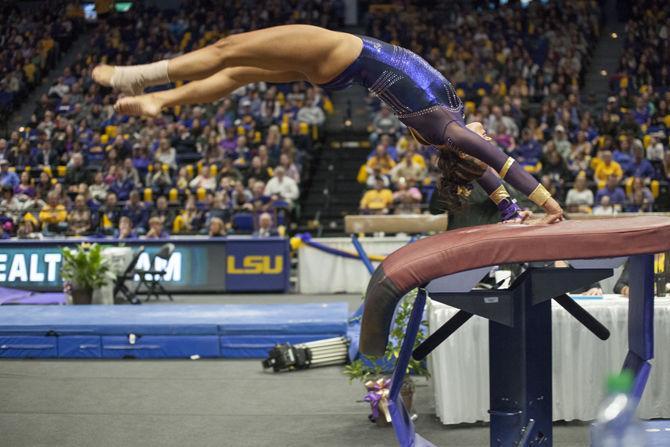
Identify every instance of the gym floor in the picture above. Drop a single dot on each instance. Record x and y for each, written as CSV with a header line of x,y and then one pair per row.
x,y
197,403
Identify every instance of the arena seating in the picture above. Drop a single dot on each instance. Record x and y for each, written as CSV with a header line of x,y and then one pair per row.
x,y
80,169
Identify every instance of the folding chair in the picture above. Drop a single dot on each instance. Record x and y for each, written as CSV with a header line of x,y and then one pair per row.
x,y
151,278
128,275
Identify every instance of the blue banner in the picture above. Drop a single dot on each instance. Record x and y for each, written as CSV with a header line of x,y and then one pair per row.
x,y
197,264
254,264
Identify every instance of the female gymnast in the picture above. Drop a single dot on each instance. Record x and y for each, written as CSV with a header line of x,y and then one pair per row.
x,y
418,94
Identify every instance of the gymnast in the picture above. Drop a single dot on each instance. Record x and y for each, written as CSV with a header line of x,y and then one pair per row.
x,y
419,95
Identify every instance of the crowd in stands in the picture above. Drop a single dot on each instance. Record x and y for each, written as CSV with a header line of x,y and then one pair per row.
x,y
78,168
31,42
518,71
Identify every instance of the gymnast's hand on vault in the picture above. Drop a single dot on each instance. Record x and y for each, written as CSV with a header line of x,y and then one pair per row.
x,y
523,216
554,212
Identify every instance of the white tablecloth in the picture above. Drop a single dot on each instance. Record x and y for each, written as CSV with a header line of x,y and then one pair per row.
x,y
320,272
581,362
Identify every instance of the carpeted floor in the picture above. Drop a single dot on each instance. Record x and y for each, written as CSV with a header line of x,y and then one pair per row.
x,y
202,403
207,403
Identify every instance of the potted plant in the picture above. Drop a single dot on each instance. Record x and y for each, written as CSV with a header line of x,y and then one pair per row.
x,y
84,269
375,372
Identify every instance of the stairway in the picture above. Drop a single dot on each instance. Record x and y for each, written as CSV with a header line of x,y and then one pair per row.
x,y
334,191
350,110
605,57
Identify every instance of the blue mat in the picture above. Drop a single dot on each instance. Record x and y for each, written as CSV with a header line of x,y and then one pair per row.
x,y
658,433
164,331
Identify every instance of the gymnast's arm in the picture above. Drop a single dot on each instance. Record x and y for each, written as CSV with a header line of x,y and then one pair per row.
x,y
474,145
509,210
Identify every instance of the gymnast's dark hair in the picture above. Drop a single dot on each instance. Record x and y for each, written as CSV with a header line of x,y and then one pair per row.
x,y
458,173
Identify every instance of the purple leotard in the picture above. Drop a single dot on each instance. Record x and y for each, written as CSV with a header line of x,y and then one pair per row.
x,y
426,102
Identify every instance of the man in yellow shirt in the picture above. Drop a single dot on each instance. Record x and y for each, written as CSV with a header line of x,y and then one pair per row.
x,y
607,168
377,200
53,213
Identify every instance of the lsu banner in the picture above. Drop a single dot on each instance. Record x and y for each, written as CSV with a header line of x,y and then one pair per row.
x,y
251,263
196,265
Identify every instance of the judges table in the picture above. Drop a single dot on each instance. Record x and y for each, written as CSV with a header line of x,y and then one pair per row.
x,y
344,275
581,362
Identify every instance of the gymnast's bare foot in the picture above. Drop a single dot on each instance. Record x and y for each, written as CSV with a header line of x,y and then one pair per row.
x,y
144,105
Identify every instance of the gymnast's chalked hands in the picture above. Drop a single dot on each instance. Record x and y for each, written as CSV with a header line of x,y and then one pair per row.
x,y
554,212
523,217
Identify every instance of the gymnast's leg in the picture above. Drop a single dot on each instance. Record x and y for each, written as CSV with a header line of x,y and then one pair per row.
x,y
318,53
206,90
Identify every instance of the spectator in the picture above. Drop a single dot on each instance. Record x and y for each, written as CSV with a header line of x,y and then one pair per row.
x,y
189,220
311,114
257,170
158,178
53,214
265,226
554,166
8,178
219,210
640,167
79,219
290,168
377,200
529,151
10,207
122,185
561,142
228,170
26,230
204,179
217,228
408,169
259,200
137,211
25,186
43,186
281,187
125,230
163,212
109,214
156,230
640,198
578,162
182,179
498,123
580,198
381,162
46,156
384,123
76,172
166,154
98,189
605,207
406,198
131,172
607,168
613,191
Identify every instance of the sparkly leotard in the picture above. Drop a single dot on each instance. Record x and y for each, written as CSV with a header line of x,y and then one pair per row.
x,y
426,102
400,78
